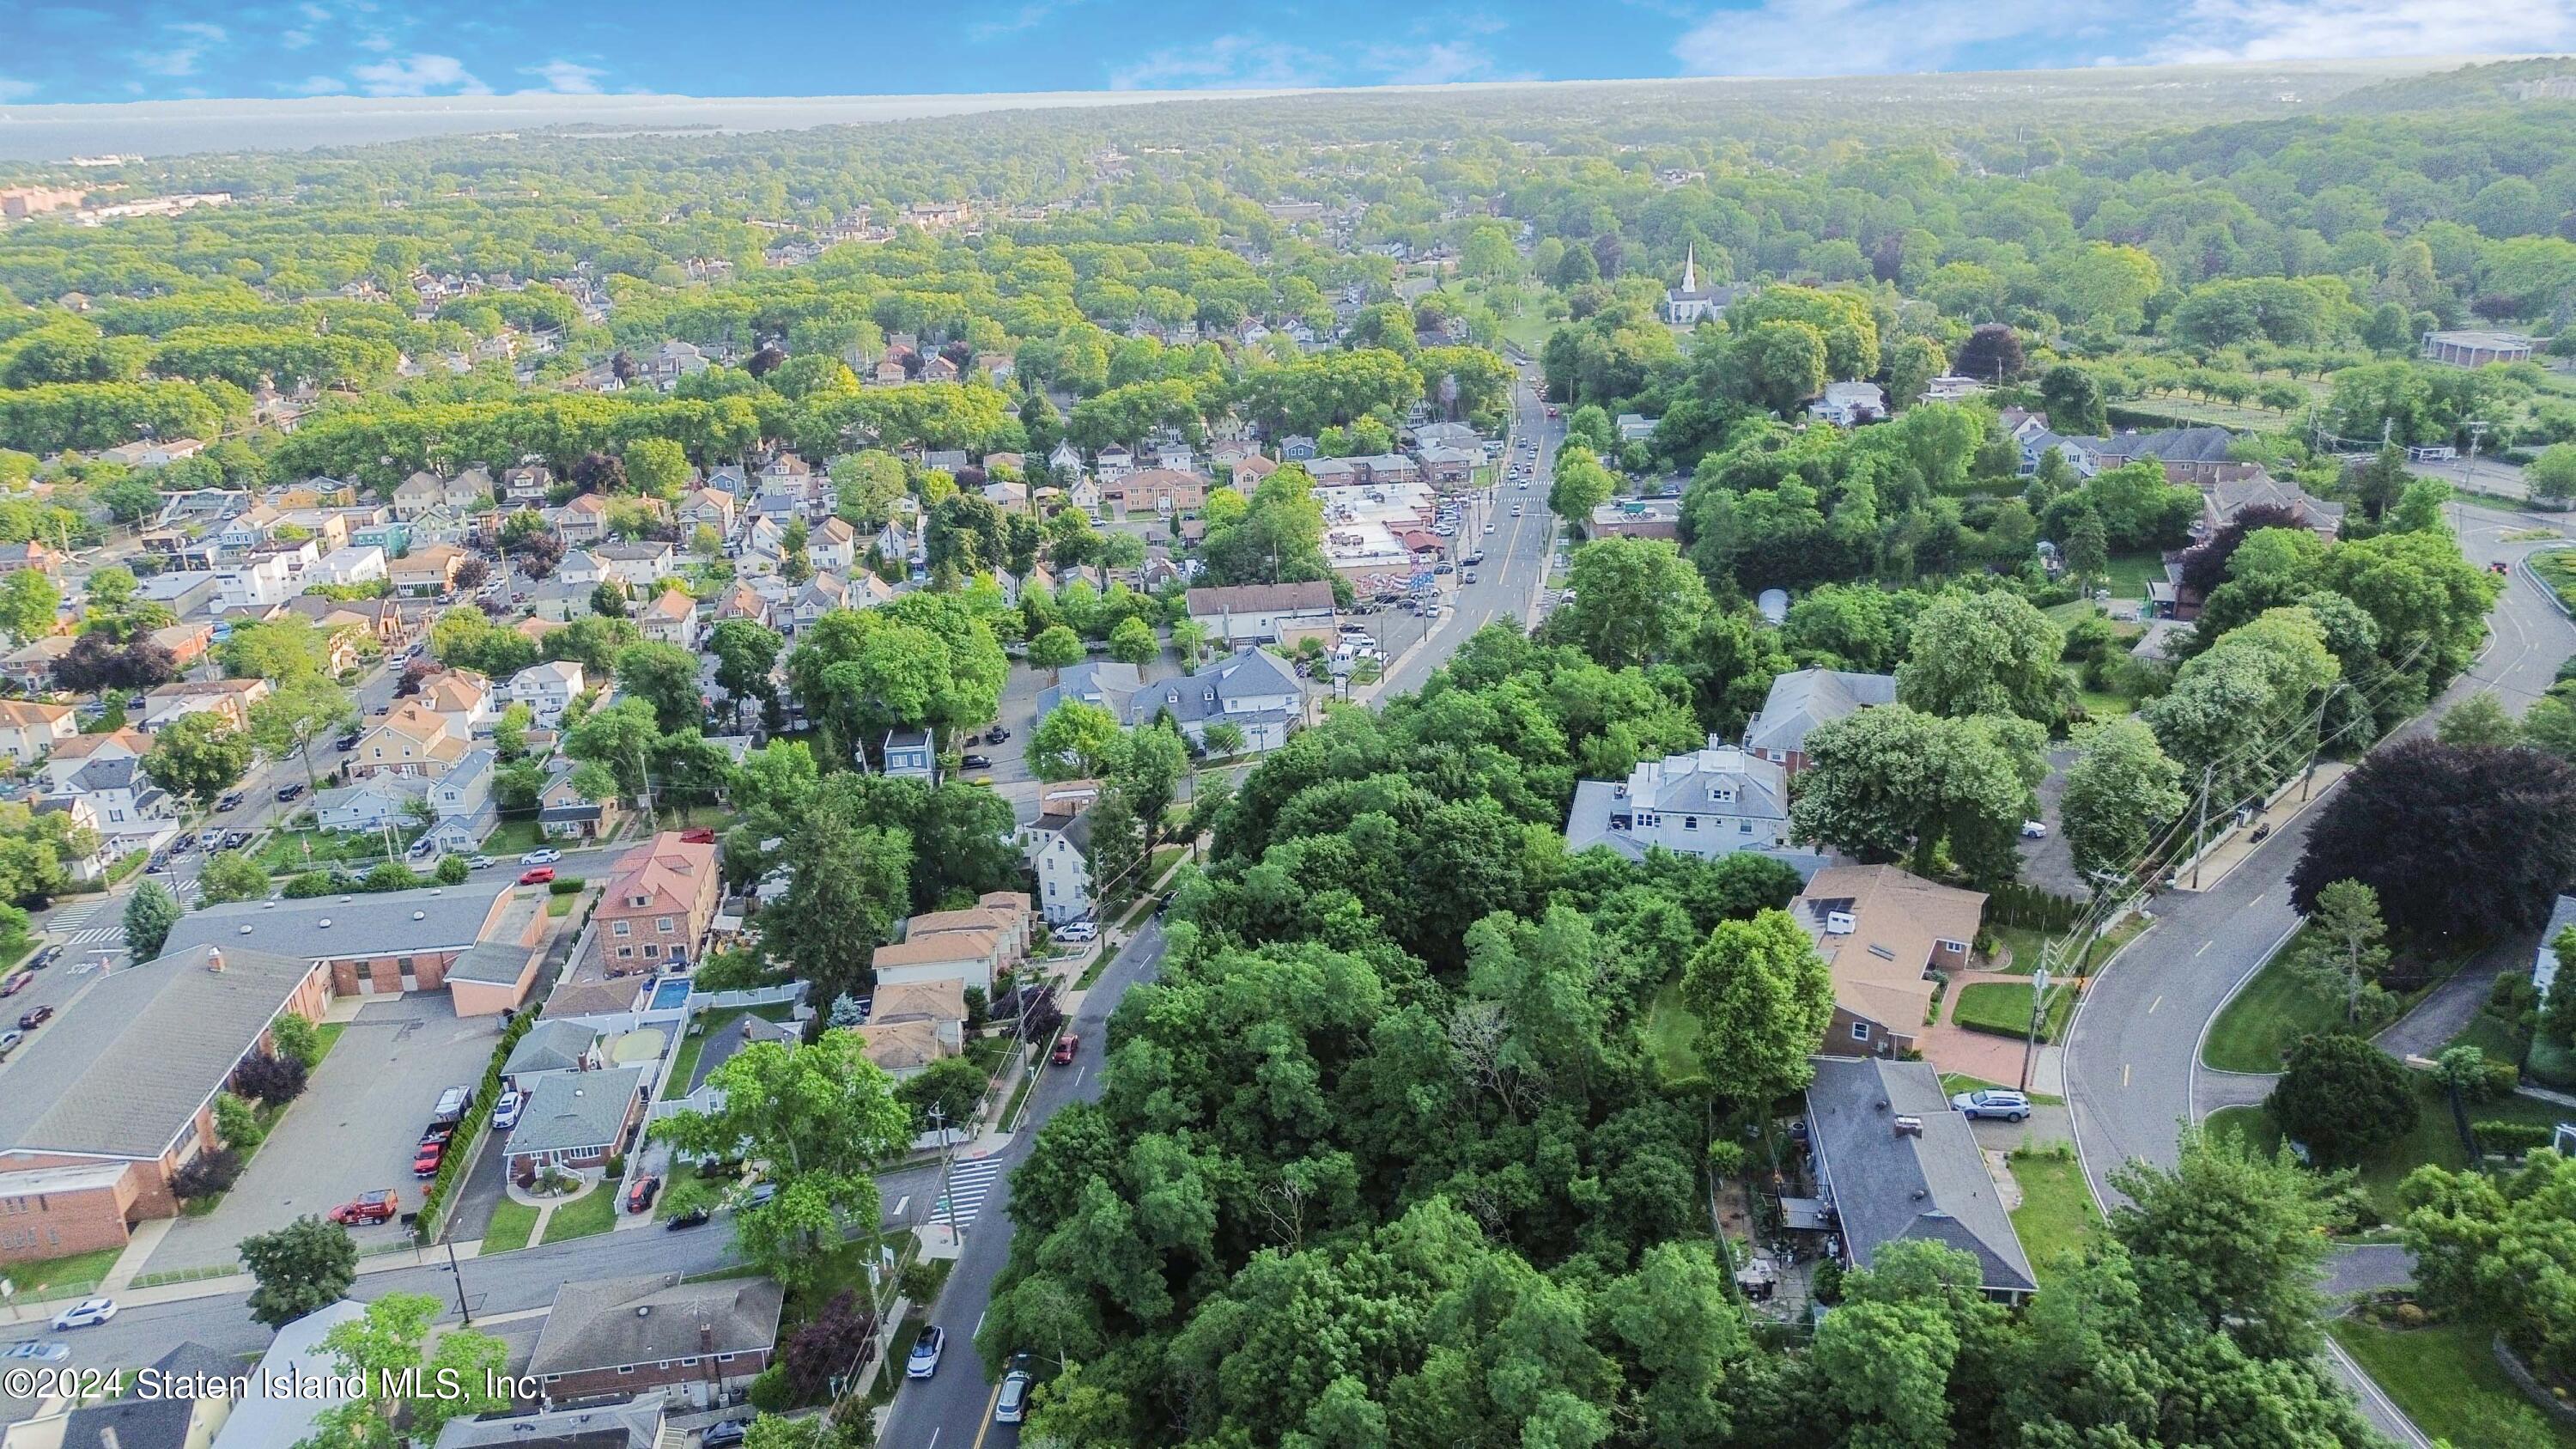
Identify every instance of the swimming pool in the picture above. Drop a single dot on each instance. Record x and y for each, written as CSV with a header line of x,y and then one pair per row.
x,y
670,994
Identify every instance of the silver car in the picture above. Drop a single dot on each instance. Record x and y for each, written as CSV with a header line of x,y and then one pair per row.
x,y
1992,1102
1013,1403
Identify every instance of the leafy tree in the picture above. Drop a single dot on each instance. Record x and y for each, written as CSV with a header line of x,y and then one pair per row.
x,y
1764,998
296,1036
452,870
608,599
295,714
665,678
746,651
2552,475
1988,653
2230,1239
593,642
286,650
1636,602
1054,648
237,1124
1117,856
2073,399
2480,719
29,601
1992,354
850,883
2343,1097
149,914
305,1266
658,467
1884,783
952,1084
231,875
2348,957
2494,1249
2120,792
2456,841
1133,642
1580,484
198,756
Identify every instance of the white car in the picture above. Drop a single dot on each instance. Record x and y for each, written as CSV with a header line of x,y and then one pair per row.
x,y
2034,830
1012,1404
479,862
505,1113
541,857
1077,931
87,1313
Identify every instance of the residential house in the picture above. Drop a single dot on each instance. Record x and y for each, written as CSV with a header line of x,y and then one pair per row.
x,y
1883,934
903,1049
833,546
187,1405
526,486
822,594
462,805
713,507
579,568
426,572
255,581
583,519
2225,497
657,910
31,666
1259,613
2198,456
351,565
563,813
635,1423
414,740
671,361
670,619
1059,851
1111,464
465,699
1635,428
296,1382
128,809
1849,404
703,1342
1447,435
1896,1165
638,565
2033,438
1065,462
105,1109
1014,926
1086,494
578,1120
911,754
29,731
941,1003
1709,802
76,754
1803,699
742,601
379,802
550,1047
437,526
1255,691
1250,471
1448,467
1296,448
231,698
973,957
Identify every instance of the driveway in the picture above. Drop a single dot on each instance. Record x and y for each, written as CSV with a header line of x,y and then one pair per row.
x,y
353,1130
2047,862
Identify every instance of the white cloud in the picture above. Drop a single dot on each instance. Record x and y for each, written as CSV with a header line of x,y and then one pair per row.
x,y
294,39
1439,63
1854,37
185,44
1229,62
1027,17
569,78
316,85
2340,29
418,75
16,90
315,13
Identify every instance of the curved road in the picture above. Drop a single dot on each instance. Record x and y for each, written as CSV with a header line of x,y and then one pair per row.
x,y
2133,1072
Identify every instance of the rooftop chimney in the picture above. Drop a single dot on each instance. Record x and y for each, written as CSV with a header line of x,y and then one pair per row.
x,y
1909,1126
215,959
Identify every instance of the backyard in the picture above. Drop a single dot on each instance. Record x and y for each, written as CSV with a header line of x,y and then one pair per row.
x,y
684,1067
2056,1213
1671,1036
290,852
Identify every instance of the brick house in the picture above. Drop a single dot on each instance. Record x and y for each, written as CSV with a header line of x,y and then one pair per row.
x,y
697,1341
577,1120
658,908
479,942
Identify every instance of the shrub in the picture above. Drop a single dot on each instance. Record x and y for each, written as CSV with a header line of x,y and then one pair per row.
x,y
2343,1097
569,885
1827,1283
211,1173
827,1345
2512,1139
274,1080
2409,1315
311,883
2502,1078
295,1036
769,1392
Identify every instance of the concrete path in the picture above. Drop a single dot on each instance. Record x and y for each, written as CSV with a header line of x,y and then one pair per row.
x,y
2448,1009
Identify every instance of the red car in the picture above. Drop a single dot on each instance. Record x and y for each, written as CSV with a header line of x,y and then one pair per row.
x,y
700,836
639,1198
425,1163
537,876
17,983
368,1207
1065,1046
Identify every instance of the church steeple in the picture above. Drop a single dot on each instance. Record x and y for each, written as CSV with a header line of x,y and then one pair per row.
x,y
1690,268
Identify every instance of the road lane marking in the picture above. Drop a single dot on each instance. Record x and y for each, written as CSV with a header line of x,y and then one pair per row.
x,y
2124,1074
2204,949
987,1426
978,1330
934,1438
2258,900
2152,1005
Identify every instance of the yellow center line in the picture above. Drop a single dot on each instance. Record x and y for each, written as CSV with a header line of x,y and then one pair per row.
x,y
987,1426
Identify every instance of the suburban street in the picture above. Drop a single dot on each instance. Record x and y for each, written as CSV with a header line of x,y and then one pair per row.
x,y
955,1406
2133,1072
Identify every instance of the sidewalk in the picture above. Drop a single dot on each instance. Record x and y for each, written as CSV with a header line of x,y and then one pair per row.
x,y
2232,848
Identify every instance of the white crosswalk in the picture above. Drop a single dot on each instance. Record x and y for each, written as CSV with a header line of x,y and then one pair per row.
x,y
969,1183
94,936
72,918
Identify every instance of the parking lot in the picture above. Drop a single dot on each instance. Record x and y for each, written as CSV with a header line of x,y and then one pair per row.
x,y
354,1129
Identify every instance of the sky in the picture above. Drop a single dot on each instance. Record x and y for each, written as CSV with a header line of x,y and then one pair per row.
x,y
152,50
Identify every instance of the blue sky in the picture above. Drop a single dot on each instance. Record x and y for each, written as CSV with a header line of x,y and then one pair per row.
x,y
112,50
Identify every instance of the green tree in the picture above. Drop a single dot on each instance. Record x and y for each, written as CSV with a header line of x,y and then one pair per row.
x,y
453,870
658,467
1117,856
2552,475
1988,653
198,756
2073,399
2342,1096
2480,719
1054,648
746,651
1636,601
237,1124
608,599
851,881
231,875
1886,783
1077,740
665,678
295,714
1580,485
1148,772
29,601
2230,1239
1764,998
286,650
2088,547
2347,952
149,914
952,1084
307,1265
1133,642
2120,793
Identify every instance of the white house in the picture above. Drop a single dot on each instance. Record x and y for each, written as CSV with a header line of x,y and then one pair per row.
x,y
355,564
1255,691
547,689
254,583
1256,613
833,546
29,732
371,804
1709,802
1058,849
1849,404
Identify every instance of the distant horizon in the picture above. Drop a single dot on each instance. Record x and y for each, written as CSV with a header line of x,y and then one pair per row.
x,y
41,132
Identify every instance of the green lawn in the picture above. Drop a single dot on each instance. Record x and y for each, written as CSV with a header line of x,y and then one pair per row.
x,y
2056,1212
2557,568
45,1277
706,1025
514,837
512,1223
2002,1008
2130,573
290,852
2257,1027
585,1217
2024,943
1954,1083
2445,1378
561,905
1672,1032
2432,1141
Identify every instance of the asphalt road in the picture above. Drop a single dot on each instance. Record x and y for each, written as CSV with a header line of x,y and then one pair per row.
x,y
1516,555
2133,1072
955,1406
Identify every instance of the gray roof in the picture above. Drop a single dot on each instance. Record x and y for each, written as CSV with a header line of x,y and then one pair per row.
x,y
625,1321
119,772
155,1423
2171,445
1587,824
576,1109
1889,1185
550,1046
1805,698
385,923
1205,695
1108,683
633,1424
1714,781
124,1075
736,1034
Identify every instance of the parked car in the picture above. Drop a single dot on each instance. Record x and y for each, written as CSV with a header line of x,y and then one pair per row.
x,y
925,1353
761,1194
235,839
368,1207
1013,1404
437,1132
539,876
505,1113
2034,830
345,743
29,1021
16,984
1065,1048
44,958
693,1218
1445,568
1992,1102
1077,931
288,792
90,1312
977,762
479,861
725,1435
424,1163
996,735
36,1350
1473,559
231,801
541,857
9,1041
639,1198
452,1104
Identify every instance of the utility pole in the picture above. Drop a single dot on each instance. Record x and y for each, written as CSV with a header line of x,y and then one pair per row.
x,y
2038,1006
458,1274
2200,832
2468,474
